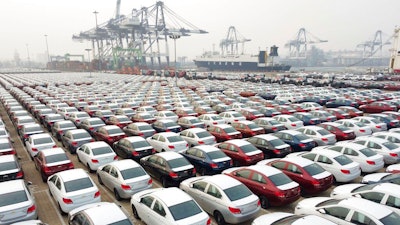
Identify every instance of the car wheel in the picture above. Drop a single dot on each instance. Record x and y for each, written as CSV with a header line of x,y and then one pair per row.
x,y
219,218
90,169
135,213
264,202
164,182
99,178
116,194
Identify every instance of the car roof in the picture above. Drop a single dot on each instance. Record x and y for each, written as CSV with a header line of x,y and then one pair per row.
x,y
124,164
327,152
245,122
364,205
4,140
134,138
207,148
171,196
266,170
298,160
167,134
334,124
373,139
237,142
12,186
350,144
104,213
41,135
285,116
196,130
169,155
52,151
72,174
96,144
31,125
222,181
222,126
7,158
312,127
76,131
291,132
267,137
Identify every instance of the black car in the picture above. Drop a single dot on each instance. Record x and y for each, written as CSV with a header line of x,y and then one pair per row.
x,y
91,124
133,148
272,146
297,140
168,167
166,125
207,159
307,118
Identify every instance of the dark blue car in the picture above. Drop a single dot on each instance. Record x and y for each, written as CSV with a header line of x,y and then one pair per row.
x,y
269,111
390,122
297,140
207,159
166,126
307,118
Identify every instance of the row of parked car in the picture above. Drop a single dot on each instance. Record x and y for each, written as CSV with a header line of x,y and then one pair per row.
x,y
175,160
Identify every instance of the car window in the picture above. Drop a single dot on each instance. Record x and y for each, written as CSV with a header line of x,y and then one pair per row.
x,y
324,159
113,172
338,212
106,168
393,201
257,177
78,184
310,156
243,173
12,198
373,196
213,191
294,169
80,219
184,210
359,218
279,165
201,185
158,208
148,200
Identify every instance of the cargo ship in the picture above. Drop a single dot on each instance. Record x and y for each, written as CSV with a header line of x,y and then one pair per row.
x,y
262,62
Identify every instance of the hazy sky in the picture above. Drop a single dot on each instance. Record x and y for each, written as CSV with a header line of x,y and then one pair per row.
x,y
344,23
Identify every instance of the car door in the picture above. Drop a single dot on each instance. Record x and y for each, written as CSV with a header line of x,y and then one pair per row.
x,y
158,213
85,155
144,209
336,214
105,176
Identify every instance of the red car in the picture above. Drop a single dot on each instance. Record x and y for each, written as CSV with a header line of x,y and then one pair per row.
x,y
251,114
339,113
120,120
241,152
109,134
143,117
352,111
272,186
247,128
377,107
224,132
311,177
285,109
341,132
51,161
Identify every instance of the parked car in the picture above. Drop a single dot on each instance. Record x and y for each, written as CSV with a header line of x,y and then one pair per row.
x,y
224,132
51,161
211,119
242,152
352,111
340,131
109,134
16,197
167,141
307,118
161,206
341,102
339,113
280,218
170,168
360,129
373,123
166,125
289,121
118,120
6,148
311,177
320,135
60,127
103,114
141,129
197,136
29,129
297,140
10,168
389,150
323,115
381,178
272,146
134,147
38,142
247,128
377,107
124,178
207,159
270,125
92,124
72,189
224,197
187,122
95,154
73,139
387,119
390,136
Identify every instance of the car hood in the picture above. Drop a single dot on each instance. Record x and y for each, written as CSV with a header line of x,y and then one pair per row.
x,y
344,191
310,203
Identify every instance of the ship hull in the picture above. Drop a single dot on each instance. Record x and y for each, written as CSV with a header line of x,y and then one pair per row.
x,y
240,66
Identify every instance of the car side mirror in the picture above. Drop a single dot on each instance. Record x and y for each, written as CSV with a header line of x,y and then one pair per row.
x,y
322,211
357,195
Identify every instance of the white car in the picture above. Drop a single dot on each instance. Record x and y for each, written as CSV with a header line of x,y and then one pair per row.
x,y
231,116
38,142
211,119
160,115
381,178
78,117
65,112
384,193
289,121
282,218
390,136
146,109
124,178
320,135
197,136
224,197
309,106
394,168
167,206
372,122
99,214
16,201
341,167
95,154
359,128
347,211
73,188
389,150
369,160
168,141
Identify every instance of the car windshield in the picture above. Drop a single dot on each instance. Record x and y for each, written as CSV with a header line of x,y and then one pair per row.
x,y
229,130
124,119
82,135
248,148
115,131
343,160
375,121
132,173
329,202
78,184
33,129
293,119
367,152
169,114
96,122
171,124
102,150
280,179
5,145
253,126
145,127
314,169
364,188
122,222
203,134
343,128
178,162
215,118
66,125
237,192
146,116
45,140
4,166
274,122
140,144
391,219
193,121
390,145
276,142
56,158
359,124
216,154
184,210
173,139
323,132
12,198
302,137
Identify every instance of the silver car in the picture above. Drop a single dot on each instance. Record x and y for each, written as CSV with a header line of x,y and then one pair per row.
x,y
320,135
197,136
16,202
282,218
226,198
372,122
125,178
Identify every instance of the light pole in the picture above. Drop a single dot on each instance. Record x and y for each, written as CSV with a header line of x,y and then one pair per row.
x,y
29,58
98,47
95,16
174,37
47,48
88,54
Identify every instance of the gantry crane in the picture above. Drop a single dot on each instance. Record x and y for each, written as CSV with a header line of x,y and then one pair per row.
x,y
230,45
371,47
298,46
